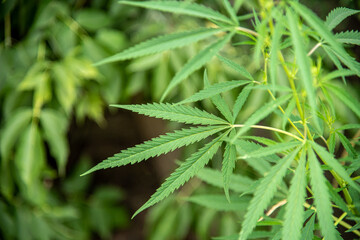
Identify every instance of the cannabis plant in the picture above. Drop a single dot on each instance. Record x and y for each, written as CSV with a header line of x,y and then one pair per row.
x,y
307,167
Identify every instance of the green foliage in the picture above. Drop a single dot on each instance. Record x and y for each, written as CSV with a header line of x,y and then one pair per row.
x,y
292,98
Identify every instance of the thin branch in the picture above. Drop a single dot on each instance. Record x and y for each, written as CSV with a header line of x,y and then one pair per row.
x,y
314,49
271,129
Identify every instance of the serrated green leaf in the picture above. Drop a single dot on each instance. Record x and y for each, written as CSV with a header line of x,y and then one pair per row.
x,y
236,67
337,15
54,125
304,65
219,101
338,73
336,198
220,203
182,174
162,43
321,197
294,211
265,151
335,60
349,37
264,193
13,128
228,166
344,96
332,143
214,90
240,100
197,62
349,126
261,165
157,146
260,114
238,183
326,34
178,7
177,113
308,230
329,160
347,145
231,11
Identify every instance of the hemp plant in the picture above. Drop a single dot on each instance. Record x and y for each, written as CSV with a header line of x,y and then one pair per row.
x,y
299,169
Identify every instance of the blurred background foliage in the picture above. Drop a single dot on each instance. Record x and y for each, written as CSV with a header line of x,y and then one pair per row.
x,y
55,121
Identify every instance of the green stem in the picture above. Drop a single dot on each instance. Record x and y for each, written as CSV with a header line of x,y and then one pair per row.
x,y
271,129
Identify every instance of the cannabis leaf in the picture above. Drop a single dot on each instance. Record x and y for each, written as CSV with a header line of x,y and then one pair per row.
x,y
294,213
214,90
162,43
157,146
337,15
321,197
264,193
228,167
197,62
182,174
177,113
186,8
349,37
304,65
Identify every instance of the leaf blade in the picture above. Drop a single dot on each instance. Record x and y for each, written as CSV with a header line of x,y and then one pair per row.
x,y
157,146
186,8
294,211
183,173
228,166
177,113
196,62
304,65
321,197
160,44
329,160
263,194
213,90
337,15
260,114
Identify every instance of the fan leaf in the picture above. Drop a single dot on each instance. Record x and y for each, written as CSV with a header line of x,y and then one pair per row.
x,y
162,43
157,146
264,193
347,99
321,197
329,160
177,113
261,113
178,7
265,151
294,214
219,101
240,101
214,90
349,37
236,67
197,62
182,174
237,183
228,166
337,15
326,34
304,64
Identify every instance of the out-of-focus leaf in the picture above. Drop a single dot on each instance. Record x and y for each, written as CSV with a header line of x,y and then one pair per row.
x,y
92,19
55,126
13,128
